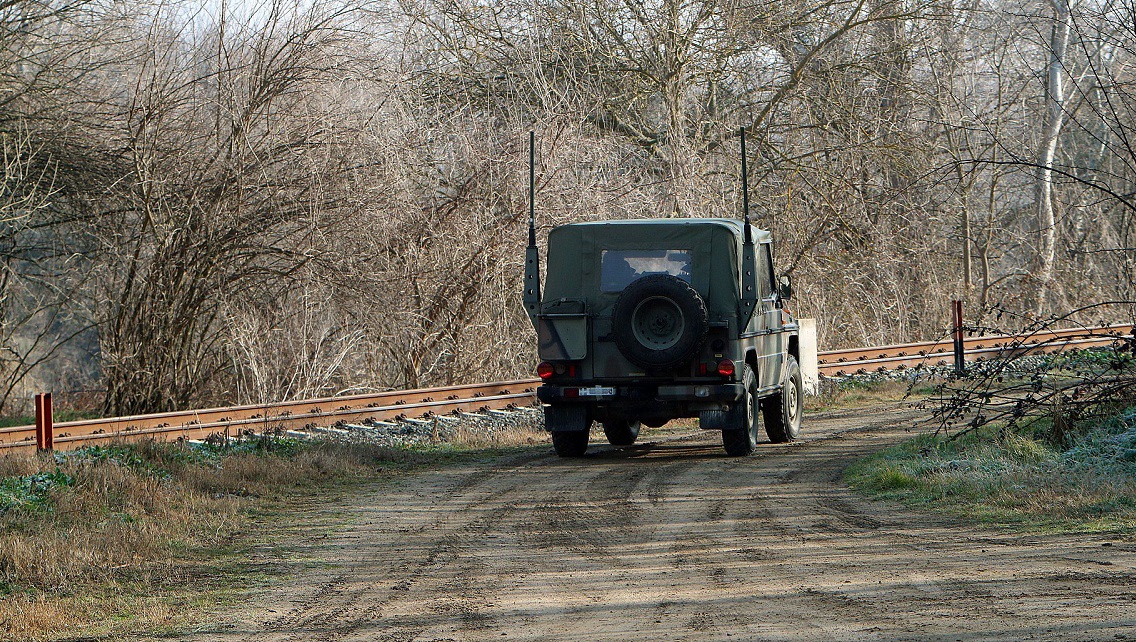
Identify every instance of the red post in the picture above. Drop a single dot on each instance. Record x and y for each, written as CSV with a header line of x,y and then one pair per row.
x,y
45,422
956,331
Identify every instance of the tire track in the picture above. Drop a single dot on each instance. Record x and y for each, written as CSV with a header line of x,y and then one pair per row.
x,y
671,540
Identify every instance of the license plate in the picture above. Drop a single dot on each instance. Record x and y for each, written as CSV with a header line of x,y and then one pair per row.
x,y
598,391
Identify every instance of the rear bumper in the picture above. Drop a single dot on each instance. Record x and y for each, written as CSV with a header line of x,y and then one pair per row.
x,y
554,393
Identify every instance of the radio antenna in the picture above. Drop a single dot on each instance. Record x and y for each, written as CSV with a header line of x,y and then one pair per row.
x,y
745,190
531,296
532,189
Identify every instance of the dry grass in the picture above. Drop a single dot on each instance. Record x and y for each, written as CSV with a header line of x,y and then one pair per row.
x,y
89,617
841,395
139,530
471,436
147,537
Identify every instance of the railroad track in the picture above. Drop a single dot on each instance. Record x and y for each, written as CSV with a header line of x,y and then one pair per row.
x,y
275,418
411,404
836,363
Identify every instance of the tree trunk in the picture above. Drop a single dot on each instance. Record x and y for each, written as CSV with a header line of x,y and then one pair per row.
x,y
1051,129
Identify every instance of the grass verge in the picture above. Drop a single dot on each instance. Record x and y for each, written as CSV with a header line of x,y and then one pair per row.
x,y
111,542
1037,479
851,393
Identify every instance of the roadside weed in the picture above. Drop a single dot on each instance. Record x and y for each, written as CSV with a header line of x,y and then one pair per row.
x,y
1015,478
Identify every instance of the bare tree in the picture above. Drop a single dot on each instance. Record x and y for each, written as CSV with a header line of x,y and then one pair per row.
x,y
290,348
42,257
1051,130
227,188
200,181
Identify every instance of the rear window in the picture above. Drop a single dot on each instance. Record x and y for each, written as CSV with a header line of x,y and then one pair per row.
x,y
618,268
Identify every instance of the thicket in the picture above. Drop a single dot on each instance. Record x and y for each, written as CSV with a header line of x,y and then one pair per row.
x,y
1040,377
1027,436
223,202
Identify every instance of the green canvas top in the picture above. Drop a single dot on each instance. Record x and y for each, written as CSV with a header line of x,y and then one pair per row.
x,y
575,252
759,235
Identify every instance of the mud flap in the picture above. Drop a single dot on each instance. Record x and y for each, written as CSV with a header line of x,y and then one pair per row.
x,y
566,418
731,419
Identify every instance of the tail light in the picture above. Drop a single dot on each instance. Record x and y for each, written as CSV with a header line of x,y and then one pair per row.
x,y
726,368
545,370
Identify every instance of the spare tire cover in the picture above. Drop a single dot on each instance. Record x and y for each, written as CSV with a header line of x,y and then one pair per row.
x,y
659,321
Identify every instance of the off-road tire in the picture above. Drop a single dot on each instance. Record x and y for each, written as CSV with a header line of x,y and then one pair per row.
x,y
782,412
741,439
621,432
569,426
659,321
570,443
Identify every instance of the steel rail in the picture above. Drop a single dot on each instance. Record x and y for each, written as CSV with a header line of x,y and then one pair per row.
x,y
197,424
407,404
933,353
985,341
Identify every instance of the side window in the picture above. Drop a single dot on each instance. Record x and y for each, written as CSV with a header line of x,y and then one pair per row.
x,y
765,272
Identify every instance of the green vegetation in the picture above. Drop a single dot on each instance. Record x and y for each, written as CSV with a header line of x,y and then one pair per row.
x,y
31,492
1042,477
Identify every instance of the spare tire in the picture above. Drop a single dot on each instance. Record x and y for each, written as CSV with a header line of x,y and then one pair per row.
x,y
659,321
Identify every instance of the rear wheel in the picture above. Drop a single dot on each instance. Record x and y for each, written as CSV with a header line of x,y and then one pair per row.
x,y
621,432
740,438
570,443
782,412
569,426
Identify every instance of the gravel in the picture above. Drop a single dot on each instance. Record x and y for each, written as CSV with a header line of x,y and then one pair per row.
x,y
1017,366
436,430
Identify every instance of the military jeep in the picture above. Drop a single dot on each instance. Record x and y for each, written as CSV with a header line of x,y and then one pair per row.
x,y
644,321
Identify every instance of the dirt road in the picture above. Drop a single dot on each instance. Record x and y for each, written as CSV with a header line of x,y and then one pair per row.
x,y
674,541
